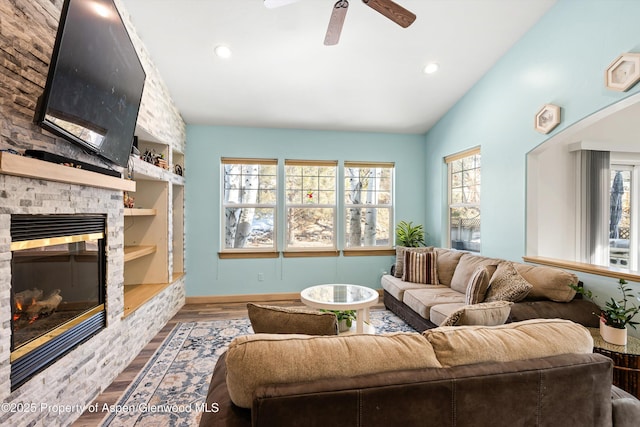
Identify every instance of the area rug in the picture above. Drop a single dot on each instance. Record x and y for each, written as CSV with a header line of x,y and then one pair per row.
x,y
172,387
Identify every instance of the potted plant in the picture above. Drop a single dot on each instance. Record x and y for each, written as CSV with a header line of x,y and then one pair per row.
x,y
409,235
616,315
345,318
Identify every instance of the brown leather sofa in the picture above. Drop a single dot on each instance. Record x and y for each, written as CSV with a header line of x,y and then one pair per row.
x,y
567,386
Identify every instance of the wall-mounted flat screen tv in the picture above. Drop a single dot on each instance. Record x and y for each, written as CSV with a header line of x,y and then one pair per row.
x,y
95,81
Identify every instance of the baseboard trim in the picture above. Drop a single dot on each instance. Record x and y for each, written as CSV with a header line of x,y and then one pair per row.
x,y
222,299
217,299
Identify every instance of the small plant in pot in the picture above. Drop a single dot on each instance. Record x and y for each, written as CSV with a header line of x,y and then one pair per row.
x,y
409,235
345,318
616,315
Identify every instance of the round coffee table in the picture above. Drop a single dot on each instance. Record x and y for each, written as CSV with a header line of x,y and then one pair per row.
x,y
343,297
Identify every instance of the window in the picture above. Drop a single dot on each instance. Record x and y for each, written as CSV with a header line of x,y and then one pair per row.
x,y
624,197
464,200
310,205
249,204
368,198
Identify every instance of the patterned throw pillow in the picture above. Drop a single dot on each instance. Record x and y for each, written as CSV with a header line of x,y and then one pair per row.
x,y
507,284
400,251
478,285
420,267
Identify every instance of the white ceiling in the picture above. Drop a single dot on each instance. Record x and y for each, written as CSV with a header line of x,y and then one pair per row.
x,y
281,74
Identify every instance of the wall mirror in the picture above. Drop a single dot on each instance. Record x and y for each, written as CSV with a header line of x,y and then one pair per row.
x,y
583,191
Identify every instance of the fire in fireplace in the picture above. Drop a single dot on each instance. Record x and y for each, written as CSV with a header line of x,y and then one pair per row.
x,y
57,288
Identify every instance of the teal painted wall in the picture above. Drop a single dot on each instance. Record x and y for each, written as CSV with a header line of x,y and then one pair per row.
x,y
208,275
560,61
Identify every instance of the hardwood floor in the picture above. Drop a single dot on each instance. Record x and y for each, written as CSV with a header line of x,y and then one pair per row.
x,y
188,313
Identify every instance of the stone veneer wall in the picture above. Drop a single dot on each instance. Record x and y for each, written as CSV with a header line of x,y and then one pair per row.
x,y
27,35
79,377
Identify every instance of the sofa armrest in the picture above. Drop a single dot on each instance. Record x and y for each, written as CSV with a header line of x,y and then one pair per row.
x,y
221,412
581,311
625,408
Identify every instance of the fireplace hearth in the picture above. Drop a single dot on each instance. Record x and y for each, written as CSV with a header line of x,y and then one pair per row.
x,y
57,288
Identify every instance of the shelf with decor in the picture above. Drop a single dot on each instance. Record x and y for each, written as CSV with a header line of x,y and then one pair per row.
x,y
153,226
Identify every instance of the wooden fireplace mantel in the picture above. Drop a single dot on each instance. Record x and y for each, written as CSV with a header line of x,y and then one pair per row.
x,y
13,164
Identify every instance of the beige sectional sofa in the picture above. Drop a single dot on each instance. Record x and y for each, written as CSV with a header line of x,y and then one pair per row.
x,y
532,373
426,306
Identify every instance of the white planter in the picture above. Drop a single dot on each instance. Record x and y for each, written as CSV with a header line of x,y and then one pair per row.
x,y
613,335
342,326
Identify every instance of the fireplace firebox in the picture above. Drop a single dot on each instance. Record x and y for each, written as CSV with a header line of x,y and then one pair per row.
x,y
58,279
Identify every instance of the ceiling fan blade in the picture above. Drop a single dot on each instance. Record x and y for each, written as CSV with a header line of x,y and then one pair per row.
x,y
393,11
277,3
336,22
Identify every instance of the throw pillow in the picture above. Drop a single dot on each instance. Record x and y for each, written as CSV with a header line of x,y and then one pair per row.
x,y
454,318
485,314
400,251
420,267
477,286
281,320
507,284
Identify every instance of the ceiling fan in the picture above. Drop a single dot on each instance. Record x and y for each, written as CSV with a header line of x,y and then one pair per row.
x,y
388,8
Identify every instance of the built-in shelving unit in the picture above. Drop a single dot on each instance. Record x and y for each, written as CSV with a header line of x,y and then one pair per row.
x,y
154,227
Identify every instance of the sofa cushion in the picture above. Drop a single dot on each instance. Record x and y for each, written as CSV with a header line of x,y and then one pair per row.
x,y
400,251
478,284
446,264
420,267
396,286
283,320
507,285
421,300
486,313
465,345
466,267
548,282
438,313
262,359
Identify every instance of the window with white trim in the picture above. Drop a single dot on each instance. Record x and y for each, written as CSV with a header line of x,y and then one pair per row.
x,y
464,200
310,205
368,199
624,199
249,204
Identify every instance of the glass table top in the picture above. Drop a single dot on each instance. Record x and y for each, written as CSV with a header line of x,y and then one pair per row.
x,y
337,293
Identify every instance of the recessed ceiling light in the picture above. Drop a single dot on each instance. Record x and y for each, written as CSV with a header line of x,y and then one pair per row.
x,y
222,52
431,68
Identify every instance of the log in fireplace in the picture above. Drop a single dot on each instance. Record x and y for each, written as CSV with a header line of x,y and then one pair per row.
x,y
57,288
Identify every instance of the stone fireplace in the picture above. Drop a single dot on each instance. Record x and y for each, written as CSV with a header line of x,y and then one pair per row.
x,y
57,288
91,361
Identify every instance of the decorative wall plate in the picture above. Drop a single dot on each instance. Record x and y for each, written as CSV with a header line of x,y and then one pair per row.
x,y
623,73
547,118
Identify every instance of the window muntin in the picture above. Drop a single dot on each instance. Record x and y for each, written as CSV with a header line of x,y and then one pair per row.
x,y
310,205
464,200
368,198
249,204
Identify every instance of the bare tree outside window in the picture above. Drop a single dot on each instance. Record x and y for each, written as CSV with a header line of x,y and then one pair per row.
x,y
368,201
249,203
464,200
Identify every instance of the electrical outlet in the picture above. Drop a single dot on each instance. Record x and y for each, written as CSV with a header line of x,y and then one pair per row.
x,y
260,277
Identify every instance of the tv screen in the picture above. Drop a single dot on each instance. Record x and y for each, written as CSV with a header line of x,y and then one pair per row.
x,y
95,81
